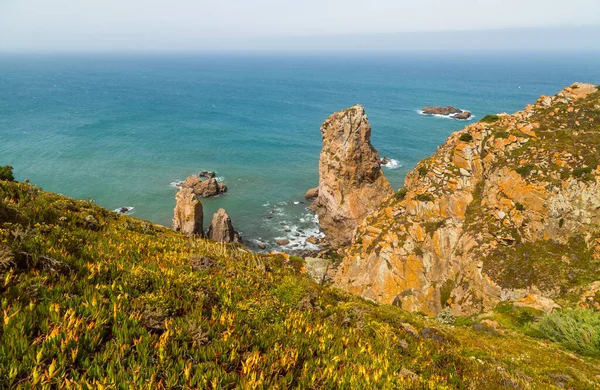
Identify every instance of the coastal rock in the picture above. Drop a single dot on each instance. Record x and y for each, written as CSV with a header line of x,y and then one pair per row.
x,y
312,193
462,115
221,228
188,213
204,188
282,242
313,240
450,111
351,182
207,174
317,268
505,210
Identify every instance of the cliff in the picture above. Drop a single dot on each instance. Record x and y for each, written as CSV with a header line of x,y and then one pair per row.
x,y
506,210
351,182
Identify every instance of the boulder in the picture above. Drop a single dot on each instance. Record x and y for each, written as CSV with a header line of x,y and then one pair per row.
x,y
282,242
313,240
463,115
317,268
188,214
351,181
312,193
221,228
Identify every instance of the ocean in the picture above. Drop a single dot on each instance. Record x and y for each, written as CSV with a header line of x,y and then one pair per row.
x,y
122,129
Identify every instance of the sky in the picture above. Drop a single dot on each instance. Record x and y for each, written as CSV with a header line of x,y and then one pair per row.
x,y
65,25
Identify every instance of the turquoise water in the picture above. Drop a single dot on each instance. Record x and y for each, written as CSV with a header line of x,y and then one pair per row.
x,y
121,129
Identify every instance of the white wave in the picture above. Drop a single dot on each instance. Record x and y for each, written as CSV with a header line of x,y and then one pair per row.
x,y
296,202
392,164
175,184
220,179
125,210
450,116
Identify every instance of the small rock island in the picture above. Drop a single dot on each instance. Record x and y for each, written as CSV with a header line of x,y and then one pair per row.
x,y
449,111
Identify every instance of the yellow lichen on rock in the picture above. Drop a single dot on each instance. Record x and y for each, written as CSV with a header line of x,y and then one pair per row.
x,y
491,215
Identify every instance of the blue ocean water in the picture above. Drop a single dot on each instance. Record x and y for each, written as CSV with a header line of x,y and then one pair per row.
x,y
121,129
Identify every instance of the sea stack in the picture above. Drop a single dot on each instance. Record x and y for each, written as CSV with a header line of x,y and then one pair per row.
x,y
188,216
221,228
351,181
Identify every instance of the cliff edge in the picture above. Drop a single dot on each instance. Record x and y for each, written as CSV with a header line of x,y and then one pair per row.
x,y
506,210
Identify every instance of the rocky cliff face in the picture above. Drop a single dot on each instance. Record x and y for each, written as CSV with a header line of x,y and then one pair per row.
x,y
221,228
507,209
351,182
188,214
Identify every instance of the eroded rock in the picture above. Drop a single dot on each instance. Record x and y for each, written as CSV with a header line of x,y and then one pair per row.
x,y
188,214
351,182
221,228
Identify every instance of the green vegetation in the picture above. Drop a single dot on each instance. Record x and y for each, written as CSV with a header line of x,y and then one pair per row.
x,y
6,173
424,197
422,170
576,329
490,118
432,227
93,299
400,194
525,170
547,264
466,137
519,206
584,173
501,134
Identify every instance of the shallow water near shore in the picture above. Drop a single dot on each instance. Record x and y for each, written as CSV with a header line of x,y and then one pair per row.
x,y
122,129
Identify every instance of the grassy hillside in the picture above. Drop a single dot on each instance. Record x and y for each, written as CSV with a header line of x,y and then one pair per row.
x,y
92,299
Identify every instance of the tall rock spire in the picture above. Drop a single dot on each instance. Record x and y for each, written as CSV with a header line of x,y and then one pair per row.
x,y
351,182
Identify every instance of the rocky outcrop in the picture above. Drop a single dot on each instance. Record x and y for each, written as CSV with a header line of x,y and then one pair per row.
x,y
506,210
203,188
351,182
312,193
188,213
221,228
449,111
207,174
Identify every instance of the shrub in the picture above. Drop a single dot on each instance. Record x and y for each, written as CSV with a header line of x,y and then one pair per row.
x,y
525,170
576,329
490,118
584,173
422,170
401,194
424,197
502,134
519,206
446,317
466,137
6,173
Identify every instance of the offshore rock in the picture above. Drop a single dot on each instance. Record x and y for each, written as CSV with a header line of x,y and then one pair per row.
x,y
221,228
506,210
351,182
203,188
188,212
449,111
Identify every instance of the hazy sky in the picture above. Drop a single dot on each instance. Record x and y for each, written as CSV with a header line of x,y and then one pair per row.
x,y
198,24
